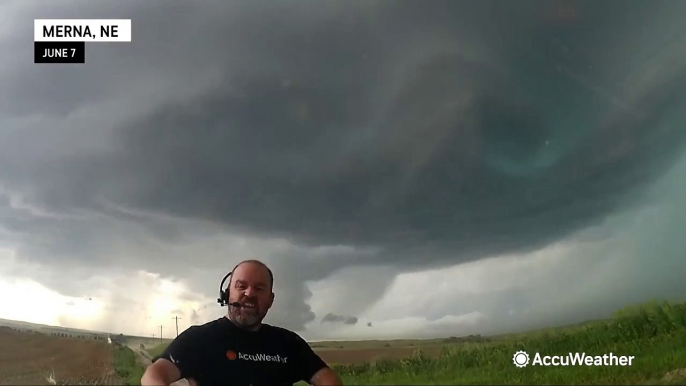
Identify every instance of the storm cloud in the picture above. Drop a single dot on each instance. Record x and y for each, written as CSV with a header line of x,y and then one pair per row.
x,y
361,139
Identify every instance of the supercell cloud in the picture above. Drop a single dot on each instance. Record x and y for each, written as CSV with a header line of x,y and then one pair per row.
x,y
351,146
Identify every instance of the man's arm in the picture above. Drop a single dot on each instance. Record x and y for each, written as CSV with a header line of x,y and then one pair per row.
x,y
179,360
326,377
162,372
310,367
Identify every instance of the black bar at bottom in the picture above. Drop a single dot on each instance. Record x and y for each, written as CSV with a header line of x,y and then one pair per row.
x,y
59,52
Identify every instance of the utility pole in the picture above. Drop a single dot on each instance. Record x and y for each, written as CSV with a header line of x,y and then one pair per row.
x,y
160,333
177,325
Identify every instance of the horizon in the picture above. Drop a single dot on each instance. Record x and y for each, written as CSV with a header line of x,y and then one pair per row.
x,y
676,299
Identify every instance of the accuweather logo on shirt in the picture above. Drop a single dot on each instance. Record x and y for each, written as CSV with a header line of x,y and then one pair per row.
x,y
256,357
521,359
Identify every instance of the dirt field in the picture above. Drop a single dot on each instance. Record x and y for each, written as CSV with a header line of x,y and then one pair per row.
x,y
346,356
28,358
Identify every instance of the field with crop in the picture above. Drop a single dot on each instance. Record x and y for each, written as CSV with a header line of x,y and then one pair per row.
x,y
30,358
654,333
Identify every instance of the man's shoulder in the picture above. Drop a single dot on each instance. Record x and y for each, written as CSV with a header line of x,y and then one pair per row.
x,y
194,339
214,323
272,329
204,329
283,333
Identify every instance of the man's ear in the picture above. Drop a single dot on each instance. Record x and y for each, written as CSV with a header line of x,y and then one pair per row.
x,y
271,300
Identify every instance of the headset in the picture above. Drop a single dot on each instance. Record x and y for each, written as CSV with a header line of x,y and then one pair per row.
x,y
224,294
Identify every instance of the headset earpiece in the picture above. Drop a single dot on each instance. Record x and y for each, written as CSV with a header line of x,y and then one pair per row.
x,y
224,294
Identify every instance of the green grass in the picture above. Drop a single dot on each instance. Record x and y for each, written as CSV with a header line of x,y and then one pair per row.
x,y
157,350
654,333
126,365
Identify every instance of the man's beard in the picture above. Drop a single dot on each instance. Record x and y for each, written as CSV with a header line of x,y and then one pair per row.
x,y
246,318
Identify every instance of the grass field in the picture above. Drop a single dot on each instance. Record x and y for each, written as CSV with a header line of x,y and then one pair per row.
x,y
654,333
157,350
127,366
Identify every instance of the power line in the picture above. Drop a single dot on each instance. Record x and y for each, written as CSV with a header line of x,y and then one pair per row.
x,y
177,325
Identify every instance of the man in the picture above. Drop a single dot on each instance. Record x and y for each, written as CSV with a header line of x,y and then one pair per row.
x,y
238,349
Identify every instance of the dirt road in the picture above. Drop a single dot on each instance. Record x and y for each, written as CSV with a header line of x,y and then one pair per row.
x,y
141,355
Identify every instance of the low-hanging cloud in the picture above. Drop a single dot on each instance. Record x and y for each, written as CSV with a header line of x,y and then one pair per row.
x,y
333,318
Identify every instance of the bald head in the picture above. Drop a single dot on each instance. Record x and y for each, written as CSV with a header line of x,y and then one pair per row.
x,y
255,265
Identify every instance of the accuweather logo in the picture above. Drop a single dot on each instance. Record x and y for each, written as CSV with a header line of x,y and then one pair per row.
x,y
522,359
262,358
232,355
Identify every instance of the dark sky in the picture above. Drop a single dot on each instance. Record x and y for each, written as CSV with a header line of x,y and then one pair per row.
x,y
453,164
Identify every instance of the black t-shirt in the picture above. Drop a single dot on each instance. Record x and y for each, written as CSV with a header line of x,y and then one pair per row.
x,y
220,353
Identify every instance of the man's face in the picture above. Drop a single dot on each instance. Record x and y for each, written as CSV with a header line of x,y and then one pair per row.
x,y
250,286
